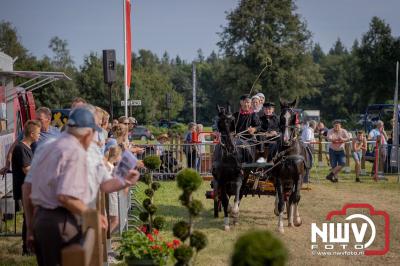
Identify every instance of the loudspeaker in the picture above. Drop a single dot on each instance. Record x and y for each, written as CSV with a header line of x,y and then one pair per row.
x,y
109,66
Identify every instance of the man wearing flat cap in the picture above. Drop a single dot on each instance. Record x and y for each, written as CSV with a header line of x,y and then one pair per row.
x,y
269,120
246,121
270,126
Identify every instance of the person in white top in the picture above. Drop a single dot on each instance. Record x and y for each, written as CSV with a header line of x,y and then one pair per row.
x,y
379,135
307,136
112,156
202,148
308,131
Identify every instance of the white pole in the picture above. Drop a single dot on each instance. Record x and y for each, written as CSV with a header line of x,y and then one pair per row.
x,y
394,155
194,90
125,62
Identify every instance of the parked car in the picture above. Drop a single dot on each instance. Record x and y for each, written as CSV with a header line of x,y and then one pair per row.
x,y
166,123
142,133
375,112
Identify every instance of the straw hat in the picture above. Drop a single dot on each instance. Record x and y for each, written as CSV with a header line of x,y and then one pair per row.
x,y
163,136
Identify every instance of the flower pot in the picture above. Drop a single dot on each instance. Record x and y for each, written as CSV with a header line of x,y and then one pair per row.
x,y
132,261
140,262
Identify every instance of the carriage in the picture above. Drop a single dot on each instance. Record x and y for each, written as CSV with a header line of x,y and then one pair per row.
x,y
258,183
238,171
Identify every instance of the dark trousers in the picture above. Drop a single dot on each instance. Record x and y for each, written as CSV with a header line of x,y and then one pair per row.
x,y
24,232
307,176
18,207
53,230
191,157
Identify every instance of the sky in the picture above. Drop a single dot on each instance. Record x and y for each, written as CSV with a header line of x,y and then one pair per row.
x,y
179,27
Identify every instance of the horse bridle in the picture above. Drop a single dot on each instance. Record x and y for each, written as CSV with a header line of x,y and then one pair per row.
x,y
291,138
225,136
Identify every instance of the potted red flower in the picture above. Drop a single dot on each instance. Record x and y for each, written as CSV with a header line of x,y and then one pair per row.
x,y
146,248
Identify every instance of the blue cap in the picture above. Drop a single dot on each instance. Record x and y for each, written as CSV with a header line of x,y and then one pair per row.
x,y
82,118
110,143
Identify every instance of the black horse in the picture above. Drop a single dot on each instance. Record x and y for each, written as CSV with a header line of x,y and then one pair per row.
x,y
291,165
227,160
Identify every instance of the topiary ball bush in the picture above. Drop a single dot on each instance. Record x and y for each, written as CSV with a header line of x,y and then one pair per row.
x,y
144,216
155,186
183,254
185,198
181,230
195,207
146,203
152,162
188,180
146,178
151,208
259,248
159,222
198,240
149,192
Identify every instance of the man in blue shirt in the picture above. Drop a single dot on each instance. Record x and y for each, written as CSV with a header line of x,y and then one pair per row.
x,y
43,114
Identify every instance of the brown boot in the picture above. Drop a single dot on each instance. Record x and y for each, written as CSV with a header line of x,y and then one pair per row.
x,y
330,177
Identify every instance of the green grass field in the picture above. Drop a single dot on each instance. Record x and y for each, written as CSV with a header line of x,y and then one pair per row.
x,y
316,203
257,213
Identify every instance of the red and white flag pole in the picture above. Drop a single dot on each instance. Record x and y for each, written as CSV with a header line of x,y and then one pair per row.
x,y
127,51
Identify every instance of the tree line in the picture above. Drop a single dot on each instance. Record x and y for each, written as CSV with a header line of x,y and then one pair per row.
x,y
340,83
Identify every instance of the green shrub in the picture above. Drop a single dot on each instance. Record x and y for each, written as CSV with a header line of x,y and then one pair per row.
x,y
151,209
185,198
178,128
149,192
259,248
146,178
152,162
183,254
189,180
146,203
195,207
198,240
157,131
144,216
155,186
181,230
159,222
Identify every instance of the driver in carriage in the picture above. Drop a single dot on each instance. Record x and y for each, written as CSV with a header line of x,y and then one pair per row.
x,y
246,121
269,128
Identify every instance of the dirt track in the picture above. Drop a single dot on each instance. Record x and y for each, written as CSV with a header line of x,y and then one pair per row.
x,y
315,204
258,213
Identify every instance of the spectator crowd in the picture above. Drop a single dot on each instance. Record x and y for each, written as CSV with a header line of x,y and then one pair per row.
x,y
58,174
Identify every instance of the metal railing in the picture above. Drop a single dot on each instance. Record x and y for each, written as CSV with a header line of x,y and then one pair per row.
x,y
371,165
177,156
9,211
